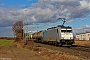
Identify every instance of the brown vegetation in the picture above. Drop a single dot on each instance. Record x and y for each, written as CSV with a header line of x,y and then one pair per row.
x,y
52,55
82,43
46,53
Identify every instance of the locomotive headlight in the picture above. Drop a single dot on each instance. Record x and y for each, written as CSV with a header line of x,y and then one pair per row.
x,y
62,37
71,37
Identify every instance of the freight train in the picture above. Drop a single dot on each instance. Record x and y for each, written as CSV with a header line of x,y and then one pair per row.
x,y
60,35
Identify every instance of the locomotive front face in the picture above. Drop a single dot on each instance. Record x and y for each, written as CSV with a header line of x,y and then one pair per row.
x,y
66,33
66,36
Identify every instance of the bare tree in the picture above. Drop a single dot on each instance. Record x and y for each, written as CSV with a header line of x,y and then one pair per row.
x,y
18,29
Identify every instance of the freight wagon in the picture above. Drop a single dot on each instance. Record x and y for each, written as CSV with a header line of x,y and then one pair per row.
x,y
38,36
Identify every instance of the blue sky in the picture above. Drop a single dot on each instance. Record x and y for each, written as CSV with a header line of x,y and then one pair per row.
x,y
79,23
16,3
44,12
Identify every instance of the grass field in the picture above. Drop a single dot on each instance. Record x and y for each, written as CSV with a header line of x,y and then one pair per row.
x,y
6,42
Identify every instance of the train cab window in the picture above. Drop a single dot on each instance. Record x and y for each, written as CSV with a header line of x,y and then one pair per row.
x,y
63,30
69,30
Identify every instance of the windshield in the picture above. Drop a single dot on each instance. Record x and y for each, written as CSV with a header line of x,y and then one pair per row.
x,y
63,30
69,30
66,30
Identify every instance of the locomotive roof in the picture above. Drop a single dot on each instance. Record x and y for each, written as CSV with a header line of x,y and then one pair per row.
x,y
60,26
64,26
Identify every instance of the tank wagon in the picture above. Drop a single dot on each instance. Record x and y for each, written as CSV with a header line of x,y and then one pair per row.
x,y
60,35
38,36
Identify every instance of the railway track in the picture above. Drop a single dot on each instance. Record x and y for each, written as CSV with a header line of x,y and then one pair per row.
x,y
86,49
77,51
80,48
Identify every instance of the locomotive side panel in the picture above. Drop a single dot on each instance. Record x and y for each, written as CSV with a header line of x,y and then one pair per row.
x,y
51,35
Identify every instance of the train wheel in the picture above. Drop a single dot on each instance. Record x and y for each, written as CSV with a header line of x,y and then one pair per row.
x,y
60,44
55,44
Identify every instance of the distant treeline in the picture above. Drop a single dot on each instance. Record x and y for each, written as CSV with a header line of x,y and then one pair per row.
x,y
7,38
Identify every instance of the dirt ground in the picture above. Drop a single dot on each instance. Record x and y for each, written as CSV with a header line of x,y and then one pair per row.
x,y
65,53
14,53
38,51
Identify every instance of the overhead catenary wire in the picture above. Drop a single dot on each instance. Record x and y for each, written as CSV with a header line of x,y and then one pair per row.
x,y
66,15
56,10
73,12
79,11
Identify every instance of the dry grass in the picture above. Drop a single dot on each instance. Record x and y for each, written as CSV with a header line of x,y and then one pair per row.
x,y
54,55
49,54
82,43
